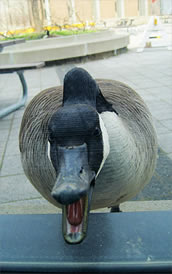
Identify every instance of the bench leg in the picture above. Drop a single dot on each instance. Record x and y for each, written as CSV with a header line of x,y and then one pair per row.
x,y
4,112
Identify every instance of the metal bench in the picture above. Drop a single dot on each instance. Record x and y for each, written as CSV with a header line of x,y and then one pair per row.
x,y
19,69
127,242
125,22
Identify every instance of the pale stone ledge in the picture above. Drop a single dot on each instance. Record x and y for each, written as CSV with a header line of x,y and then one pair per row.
x,y
61,48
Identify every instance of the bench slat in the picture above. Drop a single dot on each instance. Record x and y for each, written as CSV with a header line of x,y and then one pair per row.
x,y
11,42
14,67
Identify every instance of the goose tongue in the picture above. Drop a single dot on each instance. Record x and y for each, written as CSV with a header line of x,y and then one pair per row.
x,y
75,213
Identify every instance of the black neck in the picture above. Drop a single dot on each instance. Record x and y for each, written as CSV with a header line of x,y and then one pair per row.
x,y
81,88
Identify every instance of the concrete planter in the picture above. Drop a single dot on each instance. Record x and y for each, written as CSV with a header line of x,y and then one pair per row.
x,y
62,48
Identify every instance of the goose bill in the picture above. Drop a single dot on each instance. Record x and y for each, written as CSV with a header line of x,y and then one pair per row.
x,y
75,219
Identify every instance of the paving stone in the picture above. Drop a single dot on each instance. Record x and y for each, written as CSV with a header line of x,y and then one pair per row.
x,y
49,77
162,114
10,82
165,142
5,124
3,143
163,94
12,147
167,124
159,205
146,71
4,133
159,187
33,78
160,128
14,188
135,78
18,114
11,165
160,110
29,206
146,83
14,133
15,127
169,72
2,154
165,80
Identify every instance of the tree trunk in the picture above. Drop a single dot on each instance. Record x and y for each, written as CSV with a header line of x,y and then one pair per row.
x,y
37,15
71,11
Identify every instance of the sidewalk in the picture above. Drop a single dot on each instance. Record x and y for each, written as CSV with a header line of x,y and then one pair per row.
x,y
149,73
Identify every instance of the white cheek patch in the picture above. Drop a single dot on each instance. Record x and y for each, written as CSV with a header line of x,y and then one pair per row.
x,y
48,151
106,147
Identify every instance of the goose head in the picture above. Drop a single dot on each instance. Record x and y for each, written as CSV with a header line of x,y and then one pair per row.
x,y
78,148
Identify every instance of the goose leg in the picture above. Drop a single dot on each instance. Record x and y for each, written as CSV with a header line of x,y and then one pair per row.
x,y
115,209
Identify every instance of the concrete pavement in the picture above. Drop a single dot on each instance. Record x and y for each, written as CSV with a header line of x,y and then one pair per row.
x,y
149,73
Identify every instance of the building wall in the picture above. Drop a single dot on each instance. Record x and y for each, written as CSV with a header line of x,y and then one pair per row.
x,y
107,9
14,14
84,10
154,9
17,14
58,11
131,8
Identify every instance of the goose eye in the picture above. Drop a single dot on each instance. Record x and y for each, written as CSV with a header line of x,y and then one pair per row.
x,y
97,132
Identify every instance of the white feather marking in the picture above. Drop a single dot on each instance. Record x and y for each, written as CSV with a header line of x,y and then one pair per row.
x,y
106,147
48,151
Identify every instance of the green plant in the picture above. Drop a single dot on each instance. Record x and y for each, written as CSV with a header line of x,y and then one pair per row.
x,y
35,35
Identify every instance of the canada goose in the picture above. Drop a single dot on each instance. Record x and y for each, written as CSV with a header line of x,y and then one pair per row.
x,y
87,145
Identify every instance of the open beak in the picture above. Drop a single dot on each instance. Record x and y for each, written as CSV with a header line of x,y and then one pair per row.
x,y
73,189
